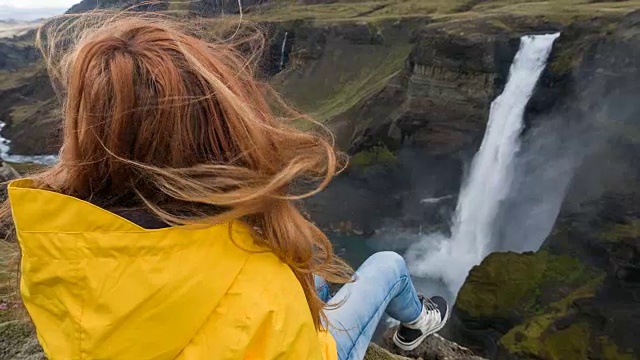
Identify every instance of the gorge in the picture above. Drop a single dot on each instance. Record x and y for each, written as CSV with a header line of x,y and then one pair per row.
x,y
407,87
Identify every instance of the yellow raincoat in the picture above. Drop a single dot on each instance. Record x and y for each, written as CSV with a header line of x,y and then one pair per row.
x,y
98,286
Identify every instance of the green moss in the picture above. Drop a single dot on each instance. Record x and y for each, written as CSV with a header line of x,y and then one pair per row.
x,y
375,155
525,339
510,283
536,337
610,351
619,232
570,343
498,286
564,62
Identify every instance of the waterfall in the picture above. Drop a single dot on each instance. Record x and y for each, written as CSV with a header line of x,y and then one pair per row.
x,y
283,50
489,179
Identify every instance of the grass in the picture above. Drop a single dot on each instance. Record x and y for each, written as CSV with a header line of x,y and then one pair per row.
x,y
557,10
345,75
21,113
368,81
12,79
179,5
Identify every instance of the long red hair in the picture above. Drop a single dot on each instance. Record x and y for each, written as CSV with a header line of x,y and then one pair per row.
x,y
159,119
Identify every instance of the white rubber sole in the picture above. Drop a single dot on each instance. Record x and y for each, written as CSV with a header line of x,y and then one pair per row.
x,y
413,345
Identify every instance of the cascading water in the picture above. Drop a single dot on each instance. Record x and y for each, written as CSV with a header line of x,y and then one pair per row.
x,y
490,176
283,50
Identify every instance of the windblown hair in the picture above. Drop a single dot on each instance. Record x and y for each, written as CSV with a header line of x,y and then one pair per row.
x,y
158,119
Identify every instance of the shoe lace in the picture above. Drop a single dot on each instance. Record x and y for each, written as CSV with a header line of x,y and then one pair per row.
x,y
430,305
432,316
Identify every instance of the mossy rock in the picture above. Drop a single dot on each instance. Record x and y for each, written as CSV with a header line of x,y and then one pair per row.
x,y
539,337
569,343
375,352
623,231
373,156
510,285
611,351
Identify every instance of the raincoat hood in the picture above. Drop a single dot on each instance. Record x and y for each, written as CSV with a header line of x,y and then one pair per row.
x,y
98,286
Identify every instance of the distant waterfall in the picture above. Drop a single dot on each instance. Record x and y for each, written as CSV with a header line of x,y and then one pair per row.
x,y
490,176
283,50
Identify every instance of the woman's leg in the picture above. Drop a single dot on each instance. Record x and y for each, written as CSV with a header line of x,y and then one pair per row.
x,y
382,284
322,288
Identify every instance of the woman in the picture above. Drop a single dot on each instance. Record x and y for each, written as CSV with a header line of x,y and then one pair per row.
x,y
168,229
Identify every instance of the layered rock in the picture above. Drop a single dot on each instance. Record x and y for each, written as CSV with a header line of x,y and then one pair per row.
x,y
31,114
441,98
16,54
221,7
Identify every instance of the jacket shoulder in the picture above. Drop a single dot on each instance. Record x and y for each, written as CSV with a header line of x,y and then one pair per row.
x,y
264,315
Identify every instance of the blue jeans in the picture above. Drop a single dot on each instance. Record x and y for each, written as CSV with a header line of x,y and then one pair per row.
x,y
382,284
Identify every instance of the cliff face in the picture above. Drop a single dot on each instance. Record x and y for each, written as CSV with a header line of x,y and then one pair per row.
x,y
440,99
16,54
88,5
30,111
407,98
220,7
577,297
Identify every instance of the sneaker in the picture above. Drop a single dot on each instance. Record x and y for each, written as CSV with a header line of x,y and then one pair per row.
x,y
435,313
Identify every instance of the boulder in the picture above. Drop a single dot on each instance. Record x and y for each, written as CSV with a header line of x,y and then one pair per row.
x,y
375,352
7,172
434,347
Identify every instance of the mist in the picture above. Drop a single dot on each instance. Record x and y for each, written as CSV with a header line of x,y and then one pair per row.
x,y
550,155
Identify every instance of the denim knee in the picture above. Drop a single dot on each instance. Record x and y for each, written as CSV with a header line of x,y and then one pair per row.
x,y
390,259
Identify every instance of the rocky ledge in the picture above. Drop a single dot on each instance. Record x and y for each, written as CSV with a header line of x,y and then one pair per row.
x,y
18,342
